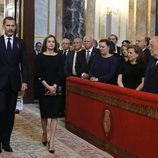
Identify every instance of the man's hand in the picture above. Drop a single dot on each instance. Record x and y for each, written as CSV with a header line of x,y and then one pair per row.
x,y
85,76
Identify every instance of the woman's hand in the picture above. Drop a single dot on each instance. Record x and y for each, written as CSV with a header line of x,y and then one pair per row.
x,y
52,90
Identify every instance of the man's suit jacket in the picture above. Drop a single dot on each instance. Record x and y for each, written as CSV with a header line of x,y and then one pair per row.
x,y
63,56
69,63
151,76
147,55
11,64
81,64
118,51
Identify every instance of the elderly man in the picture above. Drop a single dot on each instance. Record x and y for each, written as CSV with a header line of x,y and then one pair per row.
x,y
143,44
65,44
86,57
70,65
151,76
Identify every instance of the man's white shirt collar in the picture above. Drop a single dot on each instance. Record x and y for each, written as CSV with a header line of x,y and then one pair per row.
x,y
6,40
6,37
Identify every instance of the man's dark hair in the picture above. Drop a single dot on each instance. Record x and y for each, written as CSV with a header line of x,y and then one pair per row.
x,y
7,18
38,43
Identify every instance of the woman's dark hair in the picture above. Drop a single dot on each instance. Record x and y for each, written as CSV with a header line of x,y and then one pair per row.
x,y
126,41
114,36
121,50
45,43
110,44
138,51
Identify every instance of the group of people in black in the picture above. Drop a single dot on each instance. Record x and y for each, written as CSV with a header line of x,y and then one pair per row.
x,y
132,66
125,66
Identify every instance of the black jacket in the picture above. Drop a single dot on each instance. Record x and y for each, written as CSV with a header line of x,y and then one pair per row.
x,y
13,65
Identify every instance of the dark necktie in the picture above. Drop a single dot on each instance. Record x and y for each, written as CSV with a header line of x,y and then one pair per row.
x,y
9,45
64,53
87,55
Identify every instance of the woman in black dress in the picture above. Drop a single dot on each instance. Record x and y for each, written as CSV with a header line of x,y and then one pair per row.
x,y
131,73
104,67
50,100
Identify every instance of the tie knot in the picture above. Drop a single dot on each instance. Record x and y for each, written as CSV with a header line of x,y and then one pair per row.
x,y
9,38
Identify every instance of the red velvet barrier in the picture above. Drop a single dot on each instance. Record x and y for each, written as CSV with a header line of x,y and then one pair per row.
x,y
121,121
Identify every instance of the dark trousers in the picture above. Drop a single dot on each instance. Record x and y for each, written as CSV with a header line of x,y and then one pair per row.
x,y
8,99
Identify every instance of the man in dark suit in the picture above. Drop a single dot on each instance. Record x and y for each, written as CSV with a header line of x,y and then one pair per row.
x,y
151,75
65,44
143,44
114,39
36,83
72,57
13,71
86,57
38,47
65,49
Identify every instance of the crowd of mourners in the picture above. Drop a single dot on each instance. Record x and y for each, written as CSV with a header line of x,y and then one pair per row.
x,y
132,65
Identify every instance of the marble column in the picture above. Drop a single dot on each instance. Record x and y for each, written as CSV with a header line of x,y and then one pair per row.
x,y
131,20
73,19
59,20
141,17
154,27
90,17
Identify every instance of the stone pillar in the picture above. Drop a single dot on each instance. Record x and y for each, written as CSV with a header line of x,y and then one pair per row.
x,y
141,17
59,20
132,20
154,12
73,19
90,17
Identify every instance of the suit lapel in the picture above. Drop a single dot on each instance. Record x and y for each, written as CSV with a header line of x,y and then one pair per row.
x,y
3,47
3,44
15,44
